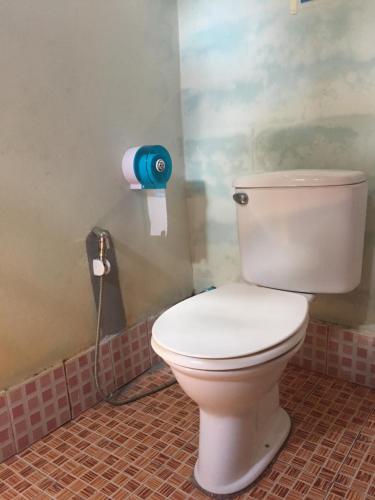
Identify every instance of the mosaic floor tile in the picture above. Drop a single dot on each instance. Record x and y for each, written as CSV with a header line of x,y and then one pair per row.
x,y
296,384
325,425
38,406
147,450
356,476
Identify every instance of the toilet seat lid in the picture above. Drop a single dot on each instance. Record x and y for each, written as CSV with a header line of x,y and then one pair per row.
x,y
232,321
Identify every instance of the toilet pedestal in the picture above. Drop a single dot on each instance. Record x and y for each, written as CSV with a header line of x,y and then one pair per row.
x,y
242,426
234,451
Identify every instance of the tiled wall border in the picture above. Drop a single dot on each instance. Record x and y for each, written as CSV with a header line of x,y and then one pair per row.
x,y
339,352
7,444
42,403
38,406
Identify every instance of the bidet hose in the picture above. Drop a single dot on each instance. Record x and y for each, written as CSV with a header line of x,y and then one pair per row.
x,y
110,398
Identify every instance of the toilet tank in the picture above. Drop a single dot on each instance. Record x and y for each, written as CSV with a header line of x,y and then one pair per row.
x,y
302,230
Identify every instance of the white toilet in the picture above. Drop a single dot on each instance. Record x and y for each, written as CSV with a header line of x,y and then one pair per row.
x,y
301,232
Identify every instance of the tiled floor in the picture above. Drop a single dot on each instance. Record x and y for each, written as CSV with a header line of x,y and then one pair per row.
x,y
148,449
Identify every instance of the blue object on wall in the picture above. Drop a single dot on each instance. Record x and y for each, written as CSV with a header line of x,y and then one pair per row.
x,y
150,168
153,167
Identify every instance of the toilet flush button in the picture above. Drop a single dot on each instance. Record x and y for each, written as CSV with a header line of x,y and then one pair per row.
x,y
241,198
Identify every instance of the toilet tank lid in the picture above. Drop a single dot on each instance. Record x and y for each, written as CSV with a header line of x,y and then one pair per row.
x,y
296,178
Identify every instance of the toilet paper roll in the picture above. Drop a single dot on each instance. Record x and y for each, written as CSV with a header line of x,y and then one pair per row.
x,y
157,211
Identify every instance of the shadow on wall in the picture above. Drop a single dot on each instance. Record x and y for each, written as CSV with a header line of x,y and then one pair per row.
x,y
357,308
341,142
157,280
113,313
196,198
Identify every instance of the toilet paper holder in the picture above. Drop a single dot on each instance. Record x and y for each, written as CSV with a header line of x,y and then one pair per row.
x,y
150,168
147,167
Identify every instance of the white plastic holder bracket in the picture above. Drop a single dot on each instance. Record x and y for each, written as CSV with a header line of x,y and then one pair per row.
x,y
100,268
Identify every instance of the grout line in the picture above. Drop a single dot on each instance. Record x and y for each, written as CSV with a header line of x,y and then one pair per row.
x,y
148,321
109,340
342,463
10,426
326,349
68,393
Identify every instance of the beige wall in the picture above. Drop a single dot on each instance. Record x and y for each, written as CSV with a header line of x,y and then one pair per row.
x,y
81,81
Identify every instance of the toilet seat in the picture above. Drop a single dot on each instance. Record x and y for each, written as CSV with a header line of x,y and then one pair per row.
x,y
233,327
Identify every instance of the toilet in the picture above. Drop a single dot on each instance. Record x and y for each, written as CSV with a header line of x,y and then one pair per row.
x,y
301,232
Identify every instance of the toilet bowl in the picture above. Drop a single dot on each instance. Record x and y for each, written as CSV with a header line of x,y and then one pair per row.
x,y
227,349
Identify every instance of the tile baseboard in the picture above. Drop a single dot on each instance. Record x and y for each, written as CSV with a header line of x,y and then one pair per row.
x,y
339,352
7,444
36,407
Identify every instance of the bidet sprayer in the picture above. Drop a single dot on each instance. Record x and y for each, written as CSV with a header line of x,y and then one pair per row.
x,y
102,265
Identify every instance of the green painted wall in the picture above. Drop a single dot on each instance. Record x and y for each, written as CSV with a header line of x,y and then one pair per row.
x,y
263,90
81,81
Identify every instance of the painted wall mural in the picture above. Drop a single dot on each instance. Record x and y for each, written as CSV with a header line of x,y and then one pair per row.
x,y
264,90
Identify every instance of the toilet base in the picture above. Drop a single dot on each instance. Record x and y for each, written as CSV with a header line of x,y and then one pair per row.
x,y
264,452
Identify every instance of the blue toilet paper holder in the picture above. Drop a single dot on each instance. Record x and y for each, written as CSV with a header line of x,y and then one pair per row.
x,y
147,167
